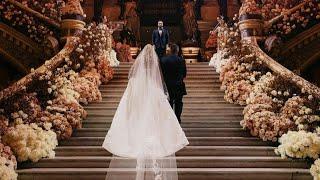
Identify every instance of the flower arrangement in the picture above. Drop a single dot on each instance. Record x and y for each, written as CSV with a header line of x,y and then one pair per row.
x,y
250,7
299,144
8,163
50,108
49,8
315,169
111,55
275,108
307,15
27,23
30,142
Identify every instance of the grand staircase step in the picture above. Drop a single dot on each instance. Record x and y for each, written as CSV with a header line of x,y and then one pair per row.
x,y
194,141
186,105
189,77
186,108
94,123
185,119
189,69
194,96
184,173
192,73
196,114
187,151
118,90
187,81
190,132
185,102
182,162
196,86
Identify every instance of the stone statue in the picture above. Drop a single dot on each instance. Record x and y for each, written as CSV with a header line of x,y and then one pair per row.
x,y
189,19
72,7
132,18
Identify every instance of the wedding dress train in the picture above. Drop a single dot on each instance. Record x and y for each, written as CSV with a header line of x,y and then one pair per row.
x,y
145,133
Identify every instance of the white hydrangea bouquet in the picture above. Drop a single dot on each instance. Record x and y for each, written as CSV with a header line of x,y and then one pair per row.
x,y
299,144
30,142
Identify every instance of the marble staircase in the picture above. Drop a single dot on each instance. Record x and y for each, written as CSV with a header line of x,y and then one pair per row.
x,y
219,148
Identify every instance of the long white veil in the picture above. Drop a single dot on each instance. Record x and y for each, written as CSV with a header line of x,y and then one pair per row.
x,y
145,133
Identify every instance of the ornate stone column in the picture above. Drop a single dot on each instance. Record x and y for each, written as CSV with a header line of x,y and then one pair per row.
x,y
72,19
251,22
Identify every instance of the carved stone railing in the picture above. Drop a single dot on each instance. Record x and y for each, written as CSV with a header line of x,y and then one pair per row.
x,y
251,27
283,71
281,16
301,39
51,64
36,14
25,49
72,25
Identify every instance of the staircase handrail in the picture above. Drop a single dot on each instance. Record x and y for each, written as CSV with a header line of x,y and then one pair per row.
x,y
40,16
301,37
282,71
287,12
49,65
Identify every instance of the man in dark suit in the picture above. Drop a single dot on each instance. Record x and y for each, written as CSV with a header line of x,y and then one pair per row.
x,y
160,39
174,71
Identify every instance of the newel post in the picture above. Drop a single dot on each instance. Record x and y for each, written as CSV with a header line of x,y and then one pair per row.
x,y
72,19
251,23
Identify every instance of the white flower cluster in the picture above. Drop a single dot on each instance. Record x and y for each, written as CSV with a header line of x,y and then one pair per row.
x,y
112,57
299,144
63,86
26,22
315,170
7,170
218,60
30,142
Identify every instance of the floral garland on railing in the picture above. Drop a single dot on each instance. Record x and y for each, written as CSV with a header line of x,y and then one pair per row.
x,y
27,23
289,25
49,109
49,8
275,108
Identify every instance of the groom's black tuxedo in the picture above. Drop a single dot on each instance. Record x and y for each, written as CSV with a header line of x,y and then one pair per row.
x,y
160,41
174,71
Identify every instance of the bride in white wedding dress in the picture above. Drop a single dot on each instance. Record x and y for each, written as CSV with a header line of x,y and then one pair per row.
x,y
145,134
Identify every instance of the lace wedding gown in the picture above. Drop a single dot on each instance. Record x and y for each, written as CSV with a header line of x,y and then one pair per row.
x,y
145,133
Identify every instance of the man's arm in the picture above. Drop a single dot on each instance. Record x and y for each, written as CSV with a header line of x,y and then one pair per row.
x,y
167,36
153,38
184,68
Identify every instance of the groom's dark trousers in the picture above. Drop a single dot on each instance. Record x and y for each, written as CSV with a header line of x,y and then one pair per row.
x,y
174,71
